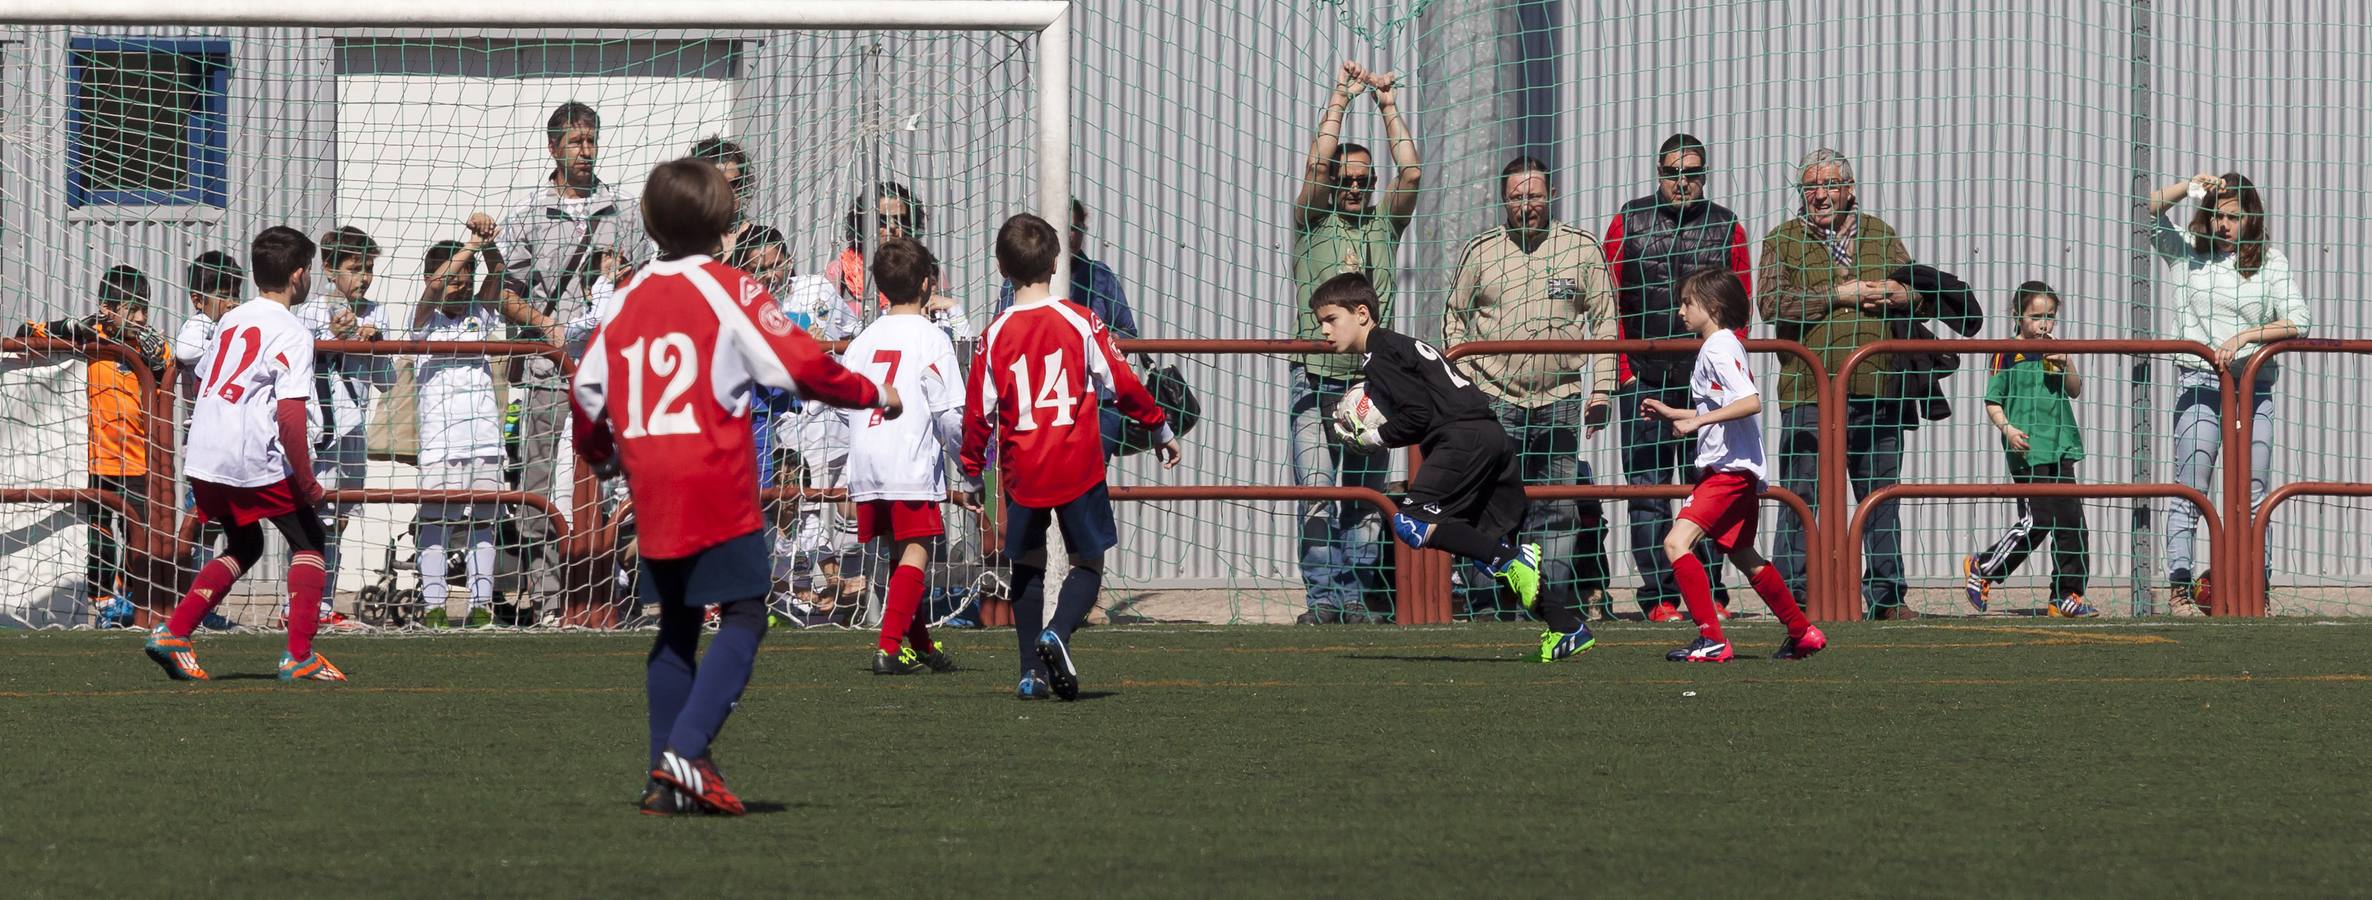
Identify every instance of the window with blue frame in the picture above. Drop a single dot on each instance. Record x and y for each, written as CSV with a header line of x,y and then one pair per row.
x,y
145,121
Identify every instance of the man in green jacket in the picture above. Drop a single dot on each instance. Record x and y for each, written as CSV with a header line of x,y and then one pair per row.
x,y
1338,228
1823,283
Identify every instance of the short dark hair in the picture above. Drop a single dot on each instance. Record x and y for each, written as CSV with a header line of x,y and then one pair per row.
x,y
758,237
1078,213
572,114
1717,290
277,255
344,243
442,251
860,214
1682,142
900,267
686,207
2031,289
1349,290
215,274
123,285
716,149
1524,164
1346,148
1027,249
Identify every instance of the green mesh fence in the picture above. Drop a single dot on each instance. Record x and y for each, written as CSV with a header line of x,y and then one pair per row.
x,y
2014,142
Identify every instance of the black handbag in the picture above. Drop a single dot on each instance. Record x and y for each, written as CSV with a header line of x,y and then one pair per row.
x,y
1176,399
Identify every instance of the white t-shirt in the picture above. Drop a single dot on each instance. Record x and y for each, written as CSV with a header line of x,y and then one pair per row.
x,y
260,356
458,416
1721,377
354,379
902,458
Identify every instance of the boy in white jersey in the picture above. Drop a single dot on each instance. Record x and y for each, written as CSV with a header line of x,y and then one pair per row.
x,y
897,472
345,384
460,424
1727,419
248,459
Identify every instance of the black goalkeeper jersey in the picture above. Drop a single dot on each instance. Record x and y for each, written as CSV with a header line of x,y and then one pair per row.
x,y
1421,394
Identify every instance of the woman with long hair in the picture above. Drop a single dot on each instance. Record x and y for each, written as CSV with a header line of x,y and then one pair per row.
x,y
2233,292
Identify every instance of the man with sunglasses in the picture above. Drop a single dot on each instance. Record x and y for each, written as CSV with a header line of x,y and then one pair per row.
x,y
1653,243
1824,283
1337,228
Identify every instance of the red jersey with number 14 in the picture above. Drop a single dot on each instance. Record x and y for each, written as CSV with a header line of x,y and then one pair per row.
x,y
665,386
1038,373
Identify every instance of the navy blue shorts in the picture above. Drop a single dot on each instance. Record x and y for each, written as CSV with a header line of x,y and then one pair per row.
x,y
738,569
1087,526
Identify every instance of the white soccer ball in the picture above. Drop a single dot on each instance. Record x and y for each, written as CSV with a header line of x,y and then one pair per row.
x,y
1355,413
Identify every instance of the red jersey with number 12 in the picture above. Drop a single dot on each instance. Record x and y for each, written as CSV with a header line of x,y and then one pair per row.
x,y
1038,372
665,385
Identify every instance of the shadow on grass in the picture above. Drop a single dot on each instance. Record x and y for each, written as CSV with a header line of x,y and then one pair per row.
x,y
1381,657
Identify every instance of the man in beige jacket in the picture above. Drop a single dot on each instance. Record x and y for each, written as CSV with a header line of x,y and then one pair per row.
x,y
1535,278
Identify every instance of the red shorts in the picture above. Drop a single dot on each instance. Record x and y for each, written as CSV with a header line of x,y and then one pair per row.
x,y
1724,505
903,520
228,505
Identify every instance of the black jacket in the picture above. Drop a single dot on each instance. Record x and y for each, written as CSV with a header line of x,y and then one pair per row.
x,y
1917,380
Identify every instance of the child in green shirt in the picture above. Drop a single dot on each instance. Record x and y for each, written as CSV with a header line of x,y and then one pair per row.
x,y
2029,400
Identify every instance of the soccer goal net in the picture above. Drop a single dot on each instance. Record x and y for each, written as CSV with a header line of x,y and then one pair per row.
x,y
146,143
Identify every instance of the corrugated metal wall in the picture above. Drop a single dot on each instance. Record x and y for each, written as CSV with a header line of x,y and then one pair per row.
x,y
1996,138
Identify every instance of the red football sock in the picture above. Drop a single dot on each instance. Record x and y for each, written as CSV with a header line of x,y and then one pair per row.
x,y
1696,587
1773,589
905,596
305,576
918,633
204,594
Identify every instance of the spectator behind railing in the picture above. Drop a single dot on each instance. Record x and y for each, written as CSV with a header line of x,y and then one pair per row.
x,y
1824,284
118,430
460,424
2030,400
1651,244
549,240
2233,291
345,387
1534,278
1337,229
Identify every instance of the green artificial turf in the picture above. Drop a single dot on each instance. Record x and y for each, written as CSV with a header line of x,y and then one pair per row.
x,y
1978,759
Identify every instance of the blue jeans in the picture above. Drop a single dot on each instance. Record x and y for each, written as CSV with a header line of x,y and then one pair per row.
x,y
1873,459
2198,437
1339,541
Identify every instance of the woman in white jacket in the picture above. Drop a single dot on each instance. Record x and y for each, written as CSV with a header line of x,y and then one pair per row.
x,y
2234,292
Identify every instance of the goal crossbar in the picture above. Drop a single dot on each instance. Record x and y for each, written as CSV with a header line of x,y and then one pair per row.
x,y
1049,20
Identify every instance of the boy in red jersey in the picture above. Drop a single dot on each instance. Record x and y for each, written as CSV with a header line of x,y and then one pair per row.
x,y
664,394
1035,383
248,459
1726,418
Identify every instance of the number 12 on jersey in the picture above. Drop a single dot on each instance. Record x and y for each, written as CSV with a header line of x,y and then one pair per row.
x,y
673,357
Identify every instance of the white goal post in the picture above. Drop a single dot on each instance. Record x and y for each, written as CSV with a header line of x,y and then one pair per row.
x,y
1049,20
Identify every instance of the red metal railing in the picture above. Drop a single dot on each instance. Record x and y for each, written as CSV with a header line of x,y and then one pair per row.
x,y
1849,544
1826,602
2244,589
148,567
1836,394
584,534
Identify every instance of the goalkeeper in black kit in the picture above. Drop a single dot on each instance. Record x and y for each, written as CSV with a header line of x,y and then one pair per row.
x,y
1467,496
